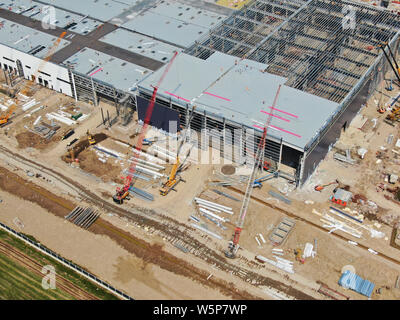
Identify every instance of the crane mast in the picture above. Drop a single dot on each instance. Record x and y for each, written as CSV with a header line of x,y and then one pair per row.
x,y
122,193
259,157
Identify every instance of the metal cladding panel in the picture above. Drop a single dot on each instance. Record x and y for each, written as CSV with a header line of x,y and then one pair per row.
x,y
161,116
321,149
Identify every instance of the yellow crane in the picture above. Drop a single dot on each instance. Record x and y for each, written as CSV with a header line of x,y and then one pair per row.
x,y
174,178
4,119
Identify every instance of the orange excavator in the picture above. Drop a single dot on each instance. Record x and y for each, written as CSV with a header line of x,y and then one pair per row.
x,y
4,120
321,187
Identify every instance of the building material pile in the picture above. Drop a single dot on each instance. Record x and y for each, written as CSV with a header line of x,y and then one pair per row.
x,y
280,263
211,210
29,104
83,218
46,131
354,282
281,231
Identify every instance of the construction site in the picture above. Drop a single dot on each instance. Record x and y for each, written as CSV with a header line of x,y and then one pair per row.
x,y
180,149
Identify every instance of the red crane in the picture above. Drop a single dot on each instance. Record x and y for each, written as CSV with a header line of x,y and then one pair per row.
x,y
234,244
122,193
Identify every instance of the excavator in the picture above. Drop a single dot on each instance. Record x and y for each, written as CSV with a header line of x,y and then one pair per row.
x,y
4,120
321,187
298,255
90,138
174,178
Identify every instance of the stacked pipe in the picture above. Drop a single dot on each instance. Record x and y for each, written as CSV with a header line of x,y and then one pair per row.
x,y
210,209
82,217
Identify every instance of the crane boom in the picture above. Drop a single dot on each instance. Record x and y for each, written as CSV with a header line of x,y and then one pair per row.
x,y
122,193
233,245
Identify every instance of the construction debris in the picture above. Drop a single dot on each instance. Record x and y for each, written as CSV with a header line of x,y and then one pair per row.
x,y
281,231
280,263
225,194
280,197
206,231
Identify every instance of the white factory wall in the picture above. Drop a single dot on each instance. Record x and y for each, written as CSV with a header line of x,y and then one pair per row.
x,y
56,77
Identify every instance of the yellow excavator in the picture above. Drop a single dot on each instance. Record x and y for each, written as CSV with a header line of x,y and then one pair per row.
x,y
4,120
174,178
90,138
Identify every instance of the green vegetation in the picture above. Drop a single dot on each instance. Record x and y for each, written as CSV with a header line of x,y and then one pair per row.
x,y
16,282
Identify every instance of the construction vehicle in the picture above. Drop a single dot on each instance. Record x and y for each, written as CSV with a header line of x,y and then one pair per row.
x,y
320,187
123,193
233,245
298,255
4,120
174,178
90,138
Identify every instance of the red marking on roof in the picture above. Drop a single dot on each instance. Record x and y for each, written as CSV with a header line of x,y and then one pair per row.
x,y
290,114
270,114
95,72
174,95
214,95
277,128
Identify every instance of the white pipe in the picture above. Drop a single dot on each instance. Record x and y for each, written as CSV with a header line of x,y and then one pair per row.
x,y
37,120
67,121
262,238
147,156
149,171
275,249
144,165
214,204
212,214
221,209
166,151
166,156
208,208
259,244
155,165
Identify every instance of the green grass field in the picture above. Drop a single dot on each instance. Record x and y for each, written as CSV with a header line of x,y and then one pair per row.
x,y
18,282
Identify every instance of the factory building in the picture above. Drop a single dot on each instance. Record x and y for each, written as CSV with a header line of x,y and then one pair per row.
x,y
321,56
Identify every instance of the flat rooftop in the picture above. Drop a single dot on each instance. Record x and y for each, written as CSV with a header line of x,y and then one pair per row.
x,y
174,22
63,19
102,10
140,44
28,40
243,92
107,69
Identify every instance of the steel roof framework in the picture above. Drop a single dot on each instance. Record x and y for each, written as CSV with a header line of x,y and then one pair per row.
x,y
304,41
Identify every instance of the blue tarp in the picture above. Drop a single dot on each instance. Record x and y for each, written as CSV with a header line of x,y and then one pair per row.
x,y
350,280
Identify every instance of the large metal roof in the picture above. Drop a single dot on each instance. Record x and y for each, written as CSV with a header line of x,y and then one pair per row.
x,y
174,22
314,43
63,19
241,91
140,44
107,69
28,40
103,10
